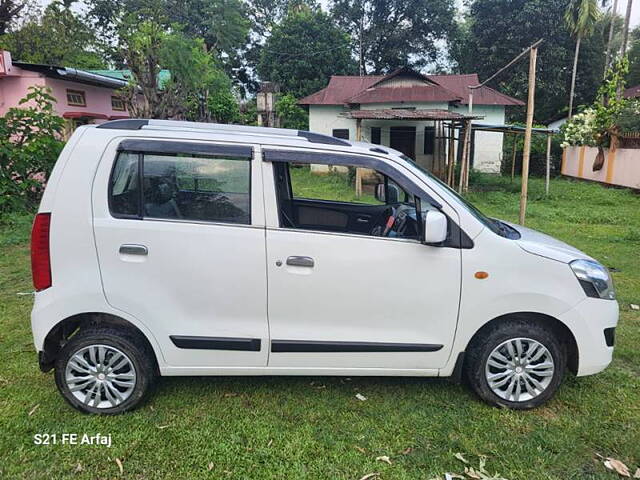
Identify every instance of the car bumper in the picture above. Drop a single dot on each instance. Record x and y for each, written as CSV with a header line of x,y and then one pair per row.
x,y
591,322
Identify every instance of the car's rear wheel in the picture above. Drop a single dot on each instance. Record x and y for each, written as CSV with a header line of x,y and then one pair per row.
x,y
517,364
104,371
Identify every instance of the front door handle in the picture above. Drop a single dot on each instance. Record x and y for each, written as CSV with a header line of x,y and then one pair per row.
x,y
300,261
130,249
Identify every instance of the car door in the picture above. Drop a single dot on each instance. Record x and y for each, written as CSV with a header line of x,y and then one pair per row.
x,y
179,232
345,300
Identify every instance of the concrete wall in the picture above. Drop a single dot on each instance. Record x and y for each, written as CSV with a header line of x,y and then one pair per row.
x,y
488,146
621,166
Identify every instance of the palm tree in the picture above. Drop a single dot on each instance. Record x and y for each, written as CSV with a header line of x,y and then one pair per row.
x,y
580,17
627,19
613,14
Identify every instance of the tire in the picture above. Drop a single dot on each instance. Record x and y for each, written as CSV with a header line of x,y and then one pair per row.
x,y
105,371
528,381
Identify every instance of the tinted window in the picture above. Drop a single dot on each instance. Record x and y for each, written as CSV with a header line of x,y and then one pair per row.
x,y
341,133
375,135
187,187
429,140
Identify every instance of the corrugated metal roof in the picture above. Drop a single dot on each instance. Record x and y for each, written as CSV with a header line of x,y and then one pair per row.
x,y
406,114
416,93
371,89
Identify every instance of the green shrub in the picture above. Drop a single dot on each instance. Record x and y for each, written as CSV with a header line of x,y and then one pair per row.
x,y
29,146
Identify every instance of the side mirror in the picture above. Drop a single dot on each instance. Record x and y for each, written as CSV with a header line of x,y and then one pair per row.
x,y
435,227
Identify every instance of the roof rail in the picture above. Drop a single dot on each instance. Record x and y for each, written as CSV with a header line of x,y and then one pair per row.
x,y
137,124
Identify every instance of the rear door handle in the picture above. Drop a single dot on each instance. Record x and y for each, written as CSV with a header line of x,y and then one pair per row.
x,y
300,261
130,249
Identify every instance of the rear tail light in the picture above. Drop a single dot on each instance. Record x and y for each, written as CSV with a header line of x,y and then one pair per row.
x,y
40,258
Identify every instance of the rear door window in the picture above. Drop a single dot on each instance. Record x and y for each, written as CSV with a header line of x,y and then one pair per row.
x,y
182,187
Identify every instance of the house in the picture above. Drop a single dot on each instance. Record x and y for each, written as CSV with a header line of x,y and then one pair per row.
x,y
411,112
82,96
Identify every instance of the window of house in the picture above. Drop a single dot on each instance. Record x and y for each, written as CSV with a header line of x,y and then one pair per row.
x,y
376,135
341,133
76,98
117,104
429,140
181,186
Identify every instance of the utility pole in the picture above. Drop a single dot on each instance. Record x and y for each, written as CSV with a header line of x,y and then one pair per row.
x,y
533,55
360,53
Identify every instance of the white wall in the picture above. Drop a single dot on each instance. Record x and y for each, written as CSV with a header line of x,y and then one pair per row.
x,y
488,145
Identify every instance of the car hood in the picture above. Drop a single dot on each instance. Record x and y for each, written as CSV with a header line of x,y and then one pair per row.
x,y
538,243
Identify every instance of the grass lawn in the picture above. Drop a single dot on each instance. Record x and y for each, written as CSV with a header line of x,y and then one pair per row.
x,y
315,428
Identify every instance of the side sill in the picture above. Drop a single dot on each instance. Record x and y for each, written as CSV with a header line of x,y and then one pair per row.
x,y
282,346
216,343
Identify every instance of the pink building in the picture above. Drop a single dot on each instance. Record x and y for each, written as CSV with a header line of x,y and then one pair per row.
x,y
82,97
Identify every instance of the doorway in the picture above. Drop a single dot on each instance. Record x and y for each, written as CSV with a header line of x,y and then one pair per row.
x,y
403,139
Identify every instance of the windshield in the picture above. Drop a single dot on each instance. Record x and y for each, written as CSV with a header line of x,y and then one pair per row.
x,y
496,226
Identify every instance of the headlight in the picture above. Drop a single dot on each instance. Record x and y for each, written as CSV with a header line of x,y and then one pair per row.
x,y
594,278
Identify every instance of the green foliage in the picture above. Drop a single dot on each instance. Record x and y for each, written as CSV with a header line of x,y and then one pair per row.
x,y
495,31
396,33
291,114
610,115
29,146
201,87
581,17
303,51
633,77
60,37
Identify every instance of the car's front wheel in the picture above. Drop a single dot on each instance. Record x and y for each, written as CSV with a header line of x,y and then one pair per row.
x,y
517,364
104,371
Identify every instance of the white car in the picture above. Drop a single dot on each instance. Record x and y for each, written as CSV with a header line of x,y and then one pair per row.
x,y
178,248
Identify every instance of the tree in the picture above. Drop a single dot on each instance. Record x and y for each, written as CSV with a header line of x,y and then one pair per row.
x,y
60,37
201,86
633,77
10,11
625,32
581,17
387,34
29,146
303,51
495,31
291,114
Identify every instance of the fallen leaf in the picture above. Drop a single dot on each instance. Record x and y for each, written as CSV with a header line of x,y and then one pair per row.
x,y
460,457
360,449
617,466
270,443
33,410
471,473
78,468
634,306
361,397
162,427
451,476
383,458
637,474
120,466
406,451
210,466
369,476
230,394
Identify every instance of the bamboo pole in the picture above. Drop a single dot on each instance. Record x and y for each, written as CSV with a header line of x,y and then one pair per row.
x,y
526,153
513,156
465,154
451,156
548,172
358,171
